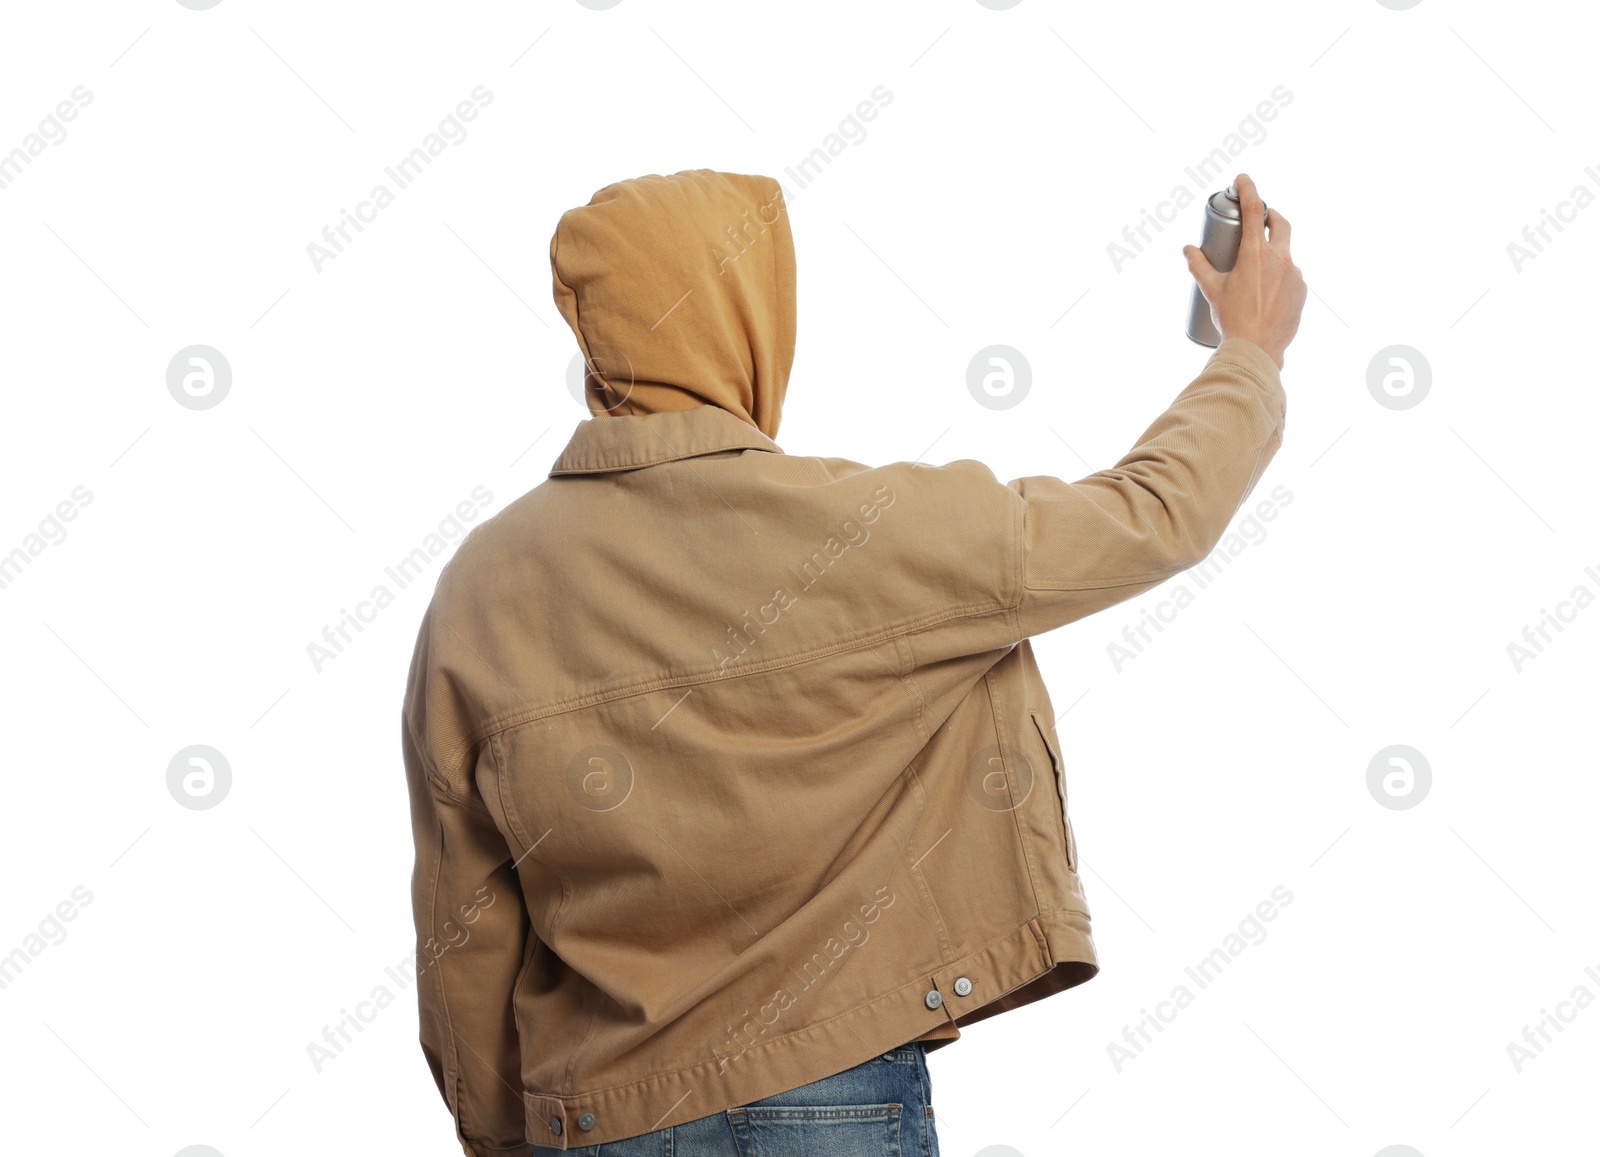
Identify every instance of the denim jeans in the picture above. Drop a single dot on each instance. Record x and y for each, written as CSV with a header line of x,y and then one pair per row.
x,y
881,1108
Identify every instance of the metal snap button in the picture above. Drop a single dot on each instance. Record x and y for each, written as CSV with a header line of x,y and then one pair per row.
x,y
555,1125
933,999
963,986
586,1121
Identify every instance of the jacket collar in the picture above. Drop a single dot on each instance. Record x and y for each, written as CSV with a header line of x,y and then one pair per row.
x,y
629,441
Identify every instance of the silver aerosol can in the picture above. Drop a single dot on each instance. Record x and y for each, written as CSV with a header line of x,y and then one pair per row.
x,y
1219,241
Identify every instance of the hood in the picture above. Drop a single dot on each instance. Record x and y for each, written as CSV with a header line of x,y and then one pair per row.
x,y
681,291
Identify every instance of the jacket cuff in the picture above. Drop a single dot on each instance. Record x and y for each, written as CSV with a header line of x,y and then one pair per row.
x,y
1251,357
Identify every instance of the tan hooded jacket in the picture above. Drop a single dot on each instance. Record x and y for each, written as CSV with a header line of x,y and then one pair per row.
x,y
731,769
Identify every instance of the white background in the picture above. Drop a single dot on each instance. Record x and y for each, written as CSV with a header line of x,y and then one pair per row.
x,y
370,397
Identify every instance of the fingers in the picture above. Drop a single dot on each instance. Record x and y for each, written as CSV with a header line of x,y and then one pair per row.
x,y
1278,233
1251,213
1202,269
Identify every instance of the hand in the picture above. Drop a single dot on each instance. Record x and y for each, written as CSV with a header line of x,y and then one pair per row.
x,y
1261,297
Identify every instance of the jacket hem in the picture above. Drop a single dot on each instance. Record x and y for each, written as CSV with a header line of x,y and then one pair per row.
x,y
524,1149
1050,953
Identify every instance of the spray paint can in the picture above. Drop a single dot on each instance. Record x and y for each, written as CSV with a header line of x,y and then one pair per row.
x,y
1219,241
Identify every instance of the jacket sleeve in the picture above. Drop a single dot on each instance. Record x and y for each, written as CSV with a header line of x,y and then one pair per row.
x,y
472,940
1090,544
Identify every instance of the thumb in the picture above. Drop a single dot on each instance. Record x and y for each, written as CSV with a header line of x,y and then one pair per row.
x,y
1202,269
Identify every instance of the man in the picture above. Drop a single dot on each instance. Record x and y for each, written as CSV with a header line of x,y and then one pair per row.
x,y
735,786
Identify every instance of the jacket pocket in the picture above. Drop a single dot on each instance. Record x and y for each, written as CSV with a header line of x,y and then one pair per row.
x,y
1060,771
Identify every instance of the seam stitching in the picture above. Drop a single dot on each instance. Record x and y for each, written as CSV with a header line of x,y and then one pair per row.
x,y
695,679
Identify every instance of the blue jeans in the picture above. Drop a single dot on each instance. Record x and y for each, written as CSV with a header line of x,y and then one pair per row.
x,y
880,1108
